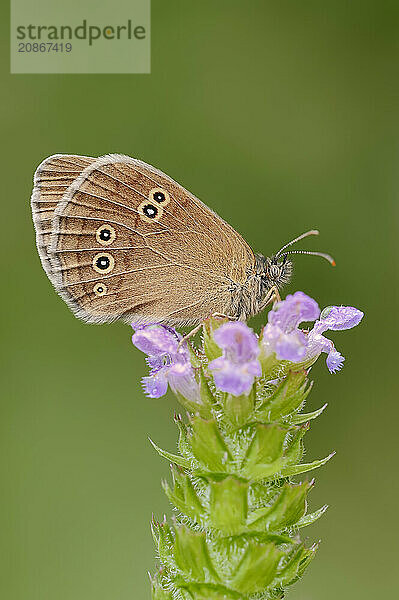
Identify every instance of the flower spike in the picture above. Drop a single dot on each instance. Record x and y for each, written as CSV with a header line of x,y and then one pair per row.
x,y
239,504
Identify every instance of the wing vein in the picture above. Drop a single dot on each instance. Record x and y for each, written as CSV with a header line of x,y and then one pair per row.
x,y
199,205
115,275
105,200
165,210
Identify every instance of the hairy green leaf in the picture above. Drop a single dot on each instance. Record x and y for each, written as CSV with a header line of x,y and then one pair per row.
x,y
183,495
312,517
257,568
191,555
228,505
284,511
265,453
173,458
305,417
304,467
207,444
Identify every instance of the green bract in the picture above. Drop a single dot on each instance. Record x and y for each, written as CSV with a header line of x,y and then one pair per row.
x,y
238,511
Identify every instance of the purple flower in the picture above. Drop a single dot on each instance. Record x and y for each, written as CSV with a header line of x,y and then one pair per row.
x,y
281,334
333,318
283,337
168,363
341,317
235,370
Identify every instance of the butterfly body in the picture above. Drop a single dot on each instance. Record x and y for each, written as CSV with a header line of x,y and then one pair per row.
x,y
120,239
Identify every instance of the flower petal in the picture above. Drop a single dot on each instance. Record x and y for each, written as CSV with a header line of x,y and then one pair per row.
x,y
156,385
291,346
253,368
341,317
168,363
234,372
335,361
233,380
155,339
238,340
184,383
287,346
292,311
156,361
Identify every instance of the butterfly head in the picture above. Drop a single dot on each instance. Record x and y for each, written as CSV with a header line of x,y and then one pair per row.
x,y
272,272
276,271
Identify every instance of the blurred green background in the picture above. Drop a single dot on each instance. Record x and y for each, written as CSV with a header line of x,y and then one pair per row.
x,y
282,116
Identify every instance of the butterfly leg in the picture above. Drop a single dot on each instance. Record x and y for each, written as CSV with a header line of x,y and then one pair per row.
x,y
222,316
273,295
189,335
196,329
276,295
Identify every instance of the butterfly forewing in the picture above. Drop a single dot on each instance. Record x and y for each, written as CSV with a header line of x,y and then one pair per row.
x,y
129,242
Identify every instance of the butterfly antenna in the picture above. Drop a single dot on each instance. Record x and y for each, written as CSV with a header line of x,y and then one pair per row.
x,y
322,254
300,237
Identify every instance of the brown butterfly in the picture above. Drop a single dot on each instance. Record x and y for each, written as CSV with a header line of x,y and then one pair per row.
x,y
119,239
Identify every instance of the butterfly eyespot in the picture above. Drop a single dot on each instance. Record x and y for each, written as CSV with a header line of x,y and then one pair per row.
x,y
160,196
105,235
100,289
150,212
103,263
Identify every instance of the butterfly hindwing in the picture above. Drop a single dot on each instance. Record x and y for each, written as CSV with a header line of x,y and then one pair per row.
x,y
129,242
